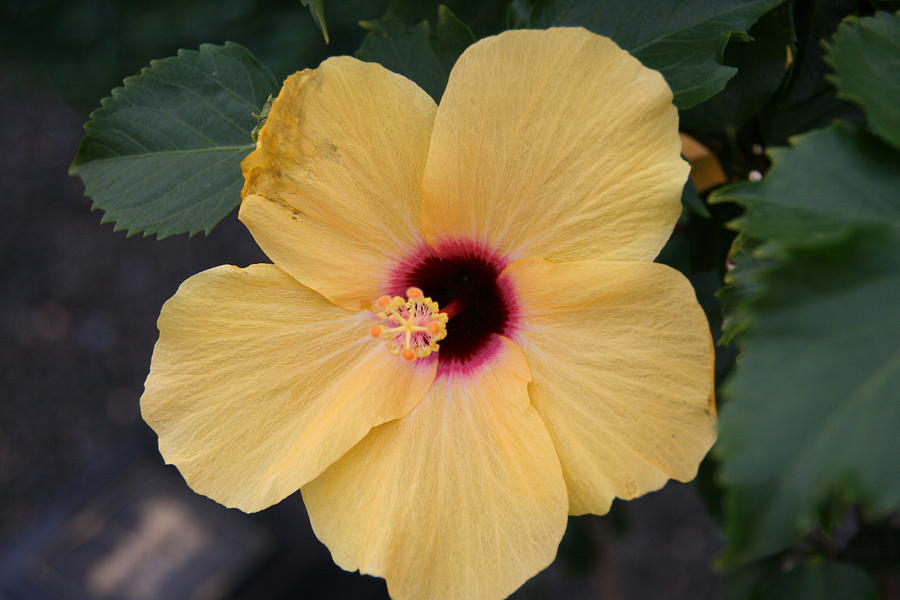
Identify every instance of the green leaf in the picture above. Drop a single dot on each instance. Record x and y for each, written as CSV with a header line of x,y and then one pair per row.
x,y
421,52
317,10
486,17
807,101
691,200
865,54
760,62
684,40
816,580
812,407
744,256
408,51
162,154
409,12
451,37
832,178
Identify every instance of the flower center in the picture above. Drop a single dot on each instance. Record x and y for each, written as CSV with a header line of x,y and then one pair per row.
x,y
412,326
463,280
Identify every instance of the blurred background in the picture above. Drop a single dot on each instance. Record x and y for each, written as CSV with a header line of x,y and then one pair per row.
x,y
87,508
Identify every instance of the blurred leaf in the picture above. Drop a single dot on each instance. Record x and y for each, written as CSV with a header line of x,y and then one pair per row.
x,y
692,200
708,486
408,51
817,580
84,48
486,17
451,37
876,547
812,406
317,10
409,12
865,54
684,40
806,101
761,65
830,179
162,154
421,52
743,258
784,209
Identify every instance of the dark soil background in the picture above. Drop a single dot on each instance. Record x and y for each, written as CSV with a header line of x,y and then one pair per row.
x,y
87,508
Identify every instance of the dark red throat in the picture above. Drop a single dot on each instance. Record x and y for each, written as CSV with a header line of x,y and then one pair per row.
x,y
462,279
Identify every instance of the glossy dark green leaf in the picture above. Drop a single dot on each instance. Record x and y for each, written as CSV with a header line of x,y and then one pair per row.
x,y
865,54
162,154
684,40
421,52
813,580
812,407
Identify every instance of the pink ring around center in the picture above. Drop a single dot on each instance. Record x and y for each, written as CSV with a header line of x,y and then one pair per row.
x,y
493,298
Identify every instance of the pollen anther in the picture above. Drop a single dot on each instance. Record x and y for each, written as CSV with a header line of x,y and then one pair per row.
x,y
412,326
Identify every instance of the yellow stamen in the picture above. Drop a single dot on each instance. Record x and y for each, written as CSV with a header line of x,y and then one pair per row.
x,y
412,326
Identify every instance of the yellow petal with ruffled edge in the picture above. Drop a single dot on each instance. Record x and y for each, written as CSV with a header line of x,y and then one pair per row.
x,y
331,192
621,356
558,144
462,499
257,384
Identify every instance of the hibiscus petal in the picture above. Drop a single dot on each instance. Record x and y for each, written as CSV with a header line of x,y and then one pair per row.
x,y
258,383
622,365
554,143
332,189
462,499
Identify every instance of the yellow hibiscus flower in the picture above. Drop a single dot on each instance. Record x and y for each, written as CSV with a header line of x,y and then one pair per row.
x,y
512,230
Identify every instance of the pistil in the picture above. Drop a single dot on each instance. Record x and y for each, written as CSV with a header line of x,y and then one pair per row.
x,y
412,326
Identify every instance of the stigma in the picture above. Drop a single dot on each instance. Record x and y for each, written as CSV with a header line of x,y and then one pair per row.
x,y
412,326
